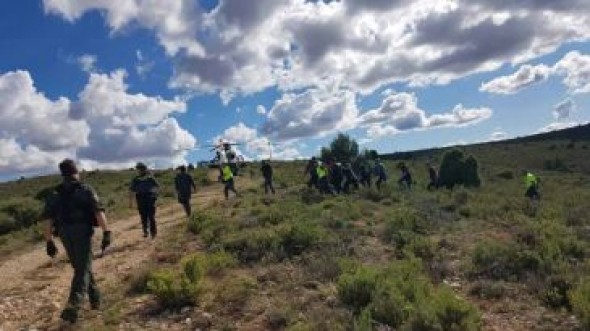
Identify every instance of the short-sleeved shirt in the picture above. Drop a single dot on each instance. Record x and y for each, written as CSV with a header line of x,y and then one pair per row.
x,y
184,184
144,186
73,202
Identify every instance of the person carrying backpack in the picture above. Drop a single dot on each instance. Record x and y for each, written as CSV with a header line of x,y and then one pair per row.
x,y
72,212
144,188
266,170
185,187
379,171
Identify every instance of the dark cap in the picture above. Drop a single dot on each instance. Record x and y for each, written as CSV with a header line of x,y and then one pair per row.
x,y
140,166
68,168
182,168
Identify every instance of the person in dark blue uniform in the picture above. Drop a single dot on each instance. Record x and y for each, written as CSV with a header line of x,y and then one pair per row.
x,y
185,187
266,170
144,188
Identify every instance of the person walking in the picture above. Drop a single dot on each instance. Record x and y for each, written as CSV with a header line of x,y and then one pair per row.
x,y
311,170
365,174
379,171
228,180
323,178
405,180
144,188
336,177
350,178
531,183
185,187
433,175
266,170
72,212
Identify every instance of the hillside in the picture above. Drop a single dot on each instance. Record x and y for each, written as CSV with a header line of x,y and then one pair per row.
x,y
466,259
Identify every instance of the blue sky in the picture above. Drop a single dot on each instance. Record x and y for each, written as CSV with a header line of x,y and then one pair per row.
x,y
157,81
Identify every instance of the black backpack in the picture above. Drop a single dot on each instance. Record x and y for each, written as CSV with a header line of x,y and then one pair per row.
x,y
75,204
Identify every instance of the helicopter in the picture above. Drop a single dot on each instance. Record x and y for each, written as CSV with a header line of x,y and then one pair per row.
x,y
225,153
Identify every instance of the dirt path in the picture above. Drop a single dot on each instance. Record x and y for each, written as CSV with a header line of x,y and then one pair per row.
x,y
33,288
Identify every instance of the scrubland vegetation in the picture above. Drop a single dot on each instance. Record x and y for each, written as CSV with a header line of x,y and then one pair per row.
x,y
467,258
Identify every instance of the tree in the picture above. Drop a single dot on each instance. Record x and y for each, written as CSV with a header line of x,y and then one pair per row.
x,y
342,148
370,154
456,170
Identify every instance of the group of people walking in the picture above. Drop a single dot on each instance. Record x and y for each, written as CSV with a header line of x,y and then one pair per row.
x,y
74,211
331,177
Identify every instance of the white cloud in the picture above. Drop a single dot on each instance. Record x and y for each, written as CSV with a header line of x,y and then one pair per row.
x,y
17,159
27,114
107,125
261,110
574,66
88,62
563,110
557,126
243,47
400,112
143,66
311,113
526,76
498,135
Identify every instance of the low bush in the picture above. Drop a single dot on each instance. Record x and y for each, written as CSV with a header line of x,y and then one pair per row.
x,y
234,293
507,174
401,296
173,291
198,221
488,290
579,298
213,264
356,288
555,292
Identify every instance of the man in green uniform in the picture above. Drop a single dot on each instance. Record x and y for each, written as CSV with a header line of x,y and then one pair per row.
x,y
185,187
228,180
71,213
144,188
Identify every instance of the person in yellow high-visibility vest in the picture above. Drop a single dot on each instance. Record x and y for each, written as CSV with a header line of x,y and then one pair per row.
x,y
323,181
531,183
228,180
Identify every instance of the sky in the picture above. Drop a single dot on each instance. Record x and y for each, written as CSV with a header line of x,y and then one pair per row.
x,y
113,82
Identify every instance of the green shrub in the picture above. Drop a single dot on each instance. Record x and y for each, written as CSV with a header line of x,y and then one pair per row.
x,y
213,264
580,302
507,174
23,215
499,260
402,297
356,288
555,292
455,169
364,322
455,314
273,216
298,237
172,291
234,293
252,245
388,305
200,221
486,289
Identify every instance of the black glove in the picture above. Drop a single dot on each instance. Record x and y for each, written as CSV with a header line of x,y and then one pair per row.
x,y
51,249
106,240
